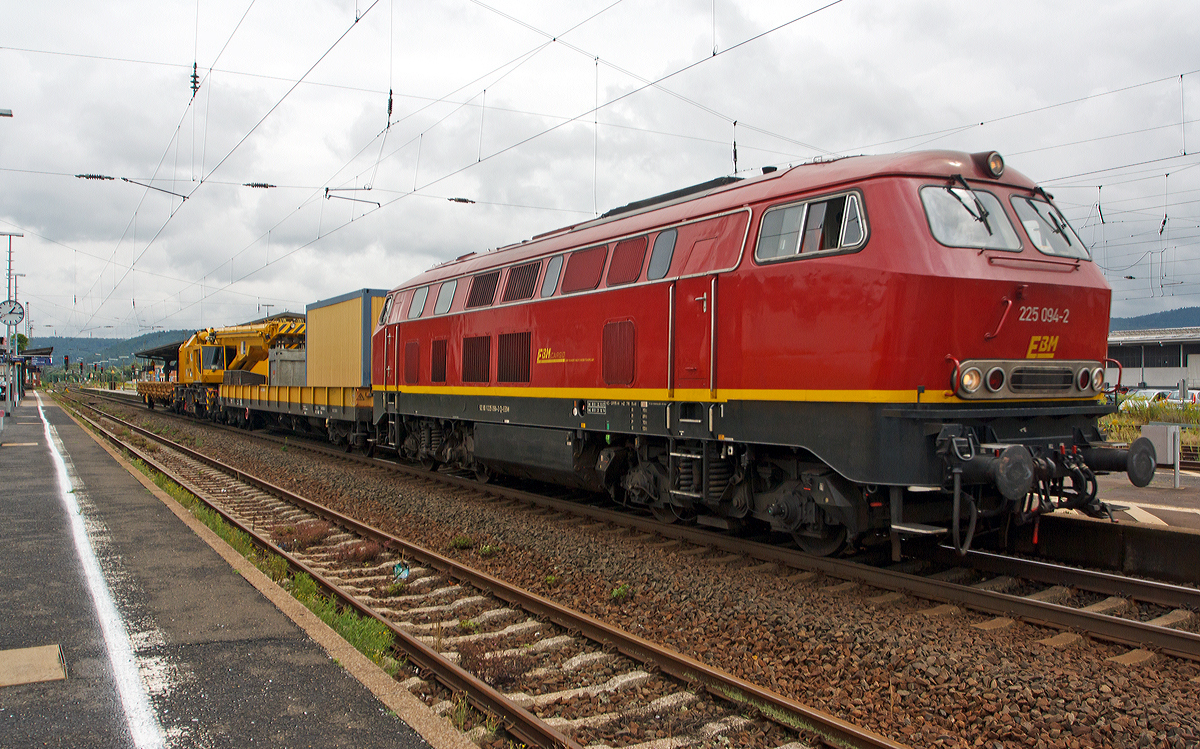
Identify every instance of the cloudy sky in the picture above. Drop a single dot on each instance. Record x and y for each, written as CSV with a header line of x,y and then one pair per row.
x,y
543,113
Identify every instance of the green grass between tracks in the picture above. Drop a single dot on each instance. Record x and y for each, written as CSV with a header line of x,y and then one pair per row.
x,y
367,635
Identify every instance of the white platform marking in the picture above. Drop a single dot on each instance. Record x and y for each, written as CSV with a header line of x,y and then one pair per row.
x,y
1142,516
140,717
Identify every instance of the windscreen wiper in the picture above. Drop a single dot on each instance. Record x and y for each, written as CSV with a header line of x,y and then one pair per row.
x,y
982,215
1058,227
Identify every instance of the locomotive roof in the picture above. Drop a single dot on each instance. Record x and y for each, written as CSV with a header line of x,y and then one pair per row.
x,y
724,194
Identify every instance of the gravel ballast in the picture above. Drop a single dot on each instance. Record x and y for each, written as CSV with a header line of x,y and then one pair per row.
x,y
922,680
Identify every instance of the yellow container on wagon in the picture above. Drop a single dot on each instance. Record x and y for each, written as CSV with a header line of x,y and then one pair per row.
x,y
339,339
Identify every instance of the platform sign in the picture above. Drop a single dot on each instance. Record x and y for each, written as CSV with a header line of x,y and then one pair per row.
x,y
41,361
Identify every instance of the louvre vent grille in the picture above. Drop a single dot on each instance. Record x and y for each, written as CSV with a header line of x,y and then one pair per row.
x,y
522,281
619,348
477,359
627,261
437,355
411,362
512,361
1024,379
483,289
584,269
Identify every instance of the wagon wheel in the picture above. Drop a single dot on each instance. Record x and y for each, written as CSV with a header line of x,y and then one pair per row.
x,y
828,542
482,474
429,463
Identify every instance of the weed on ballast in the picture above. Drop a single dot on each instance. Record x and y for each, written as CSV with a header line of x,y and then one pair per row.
x,y
497,669
620,593
359,552
468,627
302,535
488,550
461,543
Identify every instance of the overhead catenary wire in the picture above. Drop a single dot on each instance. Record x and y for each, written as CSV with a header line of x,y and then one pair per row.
x,y
555,127
479,150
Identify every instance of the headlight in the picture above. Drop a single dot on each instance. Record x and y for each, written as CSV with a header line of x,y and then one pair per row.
x,y
971,379
1083,379
1098,379
991,162
995,379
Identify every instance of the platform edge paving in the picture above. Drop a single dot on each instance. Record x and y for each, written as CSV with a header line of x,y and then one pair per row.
x,y
436,730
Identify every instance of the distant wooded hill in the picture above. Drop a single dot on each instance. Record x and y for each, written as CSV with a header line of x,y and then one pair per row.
x,y
92,350
1184,317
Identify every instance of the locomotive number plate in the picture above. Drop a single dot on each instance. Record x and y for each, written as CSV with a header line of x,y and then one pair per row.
x,y
1045,314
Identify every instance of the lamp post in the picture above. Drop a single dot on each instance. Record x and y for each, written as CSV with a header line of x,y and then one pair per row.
x,y
11,313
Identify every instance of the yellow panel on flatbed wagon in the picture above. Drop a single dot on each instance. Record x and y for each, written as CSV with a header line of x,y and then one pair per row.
x,y
347,403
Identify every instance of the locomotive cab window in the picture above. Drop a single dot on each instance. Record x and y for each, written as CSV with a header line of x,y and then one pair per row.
x,y
959,217
833,224
1048,230
418,303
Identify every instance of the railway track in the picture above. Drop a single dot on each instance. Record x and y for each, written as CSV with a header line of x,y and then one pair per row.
x,y
1145,615
567,679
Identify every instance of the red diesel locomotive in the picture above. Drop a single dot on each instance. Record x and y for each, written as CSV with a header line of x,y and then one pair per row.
x,y
848,351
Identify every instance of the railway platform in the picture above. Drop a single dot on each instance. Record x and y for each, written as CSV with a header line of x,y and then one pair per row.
x,y
121,627
1160,503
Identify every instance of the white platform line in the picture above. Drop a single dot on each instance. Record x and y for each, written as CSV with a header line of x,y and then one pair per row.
x,y
1156,508
1142,516
139,715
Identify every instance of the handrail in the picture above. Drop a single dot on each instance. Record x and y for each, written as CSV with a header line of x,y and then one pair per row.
x,y
1008,303
1058,266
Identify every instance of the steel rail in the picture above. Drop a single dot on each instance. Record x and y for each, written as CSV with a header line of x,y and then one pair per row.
x,y
523,724
777,707
1129,632
1150,591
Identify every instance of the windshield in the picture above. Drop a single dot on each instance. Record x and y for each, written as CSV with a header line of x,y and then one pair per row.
x,y
959,217
211,357
1048,230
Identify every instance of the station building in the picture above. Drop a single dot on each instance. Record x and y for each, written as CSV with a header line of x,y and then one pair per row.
x,y
1155,358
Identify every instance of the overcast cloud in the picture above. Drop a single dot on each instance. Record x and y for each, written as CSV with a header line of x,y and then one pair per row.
x,y
492,102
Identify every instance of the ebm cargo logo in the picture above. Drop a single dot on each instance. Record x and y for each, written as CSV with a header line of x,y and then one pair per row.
x,y
1042,347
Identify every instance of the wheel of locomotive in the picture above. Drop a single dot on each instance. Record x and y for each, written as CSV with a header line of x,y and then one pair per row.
x,y
669,513
369,450
482,474
428,463
830,541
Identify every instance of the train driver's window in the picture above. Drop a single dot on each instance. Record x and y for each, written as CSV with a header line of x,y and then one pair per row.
x,y
1048,229
550,282
959,217
418,303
